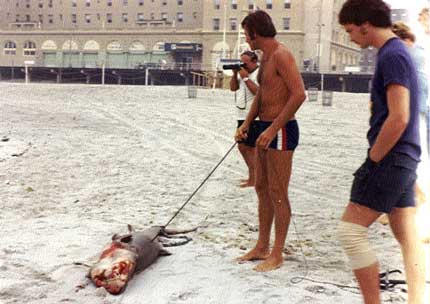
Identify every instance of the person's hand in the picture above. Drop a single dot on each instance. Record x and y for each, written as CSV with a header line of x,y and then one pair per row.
x,y
265,138
243,73
241,133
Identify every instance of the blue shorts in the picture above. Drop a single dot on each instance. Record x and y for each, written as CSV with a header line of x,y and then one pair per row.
x,y
250,140
385,185
287,138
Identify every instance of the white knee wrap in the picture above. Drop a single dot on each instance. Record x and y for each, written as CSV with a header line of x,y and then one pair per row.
x,y
354,241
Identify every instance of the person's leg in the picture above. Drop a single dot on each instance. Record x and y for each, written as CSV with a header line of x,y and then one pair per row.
x,y
352,233
265,211
248,154
279,164
403,225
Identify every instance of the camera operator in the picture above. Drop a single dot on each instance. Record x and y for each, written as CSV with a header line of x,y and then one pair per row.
x,y
246,87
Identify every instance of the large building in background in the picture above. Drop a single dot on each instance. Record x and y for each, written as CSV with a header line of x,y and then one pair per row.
x,y
188,33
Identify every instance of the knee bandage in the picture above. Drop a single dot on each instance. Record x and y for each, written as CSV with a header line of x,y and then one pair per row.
x,y
354,241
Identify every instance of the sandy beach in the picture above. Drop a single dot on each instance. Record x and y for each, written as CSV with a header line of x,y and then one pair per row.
x,y
79,162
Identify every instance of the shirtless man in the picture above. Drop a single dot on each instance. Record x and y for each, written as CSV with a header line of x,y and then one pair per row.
x,y
280,95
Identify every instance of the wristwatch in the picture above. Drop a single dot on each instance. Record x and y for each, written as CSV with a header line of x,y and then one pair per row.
x,y
245,79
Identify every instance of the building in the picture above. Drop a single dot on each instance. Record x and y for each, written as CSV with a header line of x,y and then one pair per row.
x,y
184,33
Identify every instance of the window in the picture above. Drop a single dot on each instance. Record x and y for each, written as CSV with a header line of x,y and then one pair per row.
x,y
29,48
125,17
17,18
217,4
180,2
152,16
27,18
41,18
286,23
164,2
125,2
269,4
27,5
40,5
50,3
251,4
87,3
109,18
234,4
233,24
140,2
109,3
51,19
287,4
74,3
88,18
61,17
180,17
215,23
140,17
195,15
10,48
163,16
73,18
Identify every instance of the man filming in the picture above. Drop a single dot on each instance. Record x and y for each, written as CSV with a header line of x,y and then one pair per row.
x,y
246,87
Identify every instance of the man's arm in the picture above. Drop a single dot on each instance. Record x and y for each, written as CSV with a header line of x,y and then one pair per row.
x,y
241,132
250,84
234,82
286,67
395,124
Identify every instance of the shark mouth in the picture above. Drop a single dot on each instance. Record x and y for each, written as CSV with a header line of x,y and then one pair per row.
x,y
115,278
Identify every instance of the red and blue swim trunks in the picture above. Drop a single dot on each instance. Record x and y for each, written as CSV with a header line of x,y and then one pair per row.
x,y
287,138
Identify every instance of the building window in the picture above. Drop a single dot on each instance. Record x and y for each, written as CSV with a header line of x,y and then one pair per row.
x,y
140,2
73,18
234,4
125,2
125,17
269,4
87,3
51,19
215,22
109,18
40,5
109,3
27,5
164,2
140,17
180,17
40,18
163,16
27,18
286,23
233,24
88,18
195,15
29,48
152,16
16,18
217,4
74,3
251,4
50,3
287,4
61,17
10,48
180,2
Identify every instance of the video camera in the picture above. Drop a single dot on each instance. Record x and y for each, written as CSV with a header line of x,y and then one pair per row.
x,y
235,66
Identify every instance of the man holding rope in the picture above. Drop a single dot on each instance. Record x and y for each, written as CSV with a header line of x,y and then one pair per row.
x,y
280,95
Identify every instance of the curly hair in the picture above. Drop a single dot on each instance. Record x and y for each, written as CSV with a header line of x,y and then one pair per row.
x,y
259,22
357,12
403,31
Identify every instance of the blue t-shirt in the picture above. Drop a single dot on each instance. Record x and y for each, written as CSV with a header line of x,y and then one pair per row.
x,y
395,66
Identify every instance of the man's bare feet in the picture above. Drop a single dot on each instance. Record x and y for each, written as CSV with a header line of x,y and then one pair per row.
x,y
274,261
254,254
383,219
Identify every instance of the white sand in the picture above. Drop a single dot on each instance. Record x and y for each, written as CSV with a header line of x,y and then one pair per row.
x,y
91,159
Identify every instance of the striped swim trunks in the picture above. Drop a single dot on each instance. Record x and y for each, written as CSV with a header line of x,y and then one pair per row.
x,y
287,138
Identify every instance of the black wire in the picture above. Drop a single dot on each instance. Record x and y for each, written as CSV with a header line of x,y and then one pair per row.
x,y
201,184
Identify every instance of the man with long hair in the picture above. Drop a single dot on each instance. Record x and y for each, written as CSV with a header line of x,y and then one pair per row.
x,y
280,95
384,183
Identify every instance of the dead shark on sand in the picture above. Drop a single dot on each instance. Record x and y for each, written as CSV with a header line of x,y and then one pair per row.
x,y
131,253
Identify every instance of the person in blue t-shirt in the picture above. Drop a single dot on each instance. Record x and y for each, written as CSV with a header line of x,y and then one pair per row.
x,y
384,183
